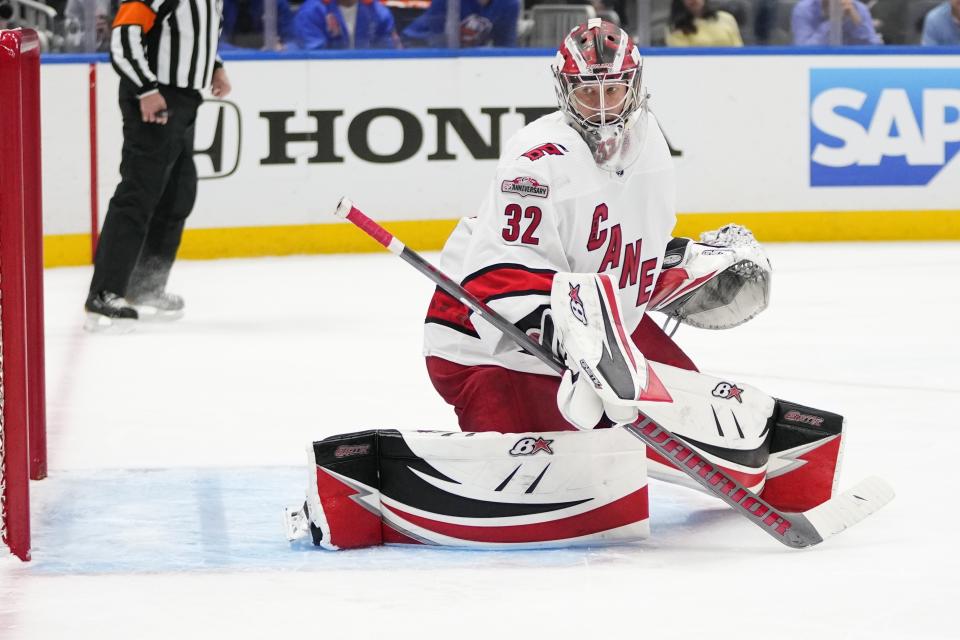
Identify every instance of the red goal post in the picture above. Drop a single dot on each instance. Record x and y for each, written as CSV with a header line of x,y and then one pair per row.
x,y
22,397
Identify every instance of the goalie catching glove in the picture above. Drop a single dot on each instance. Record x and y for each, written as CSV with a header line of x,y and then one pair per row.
x,y
604,368
717,283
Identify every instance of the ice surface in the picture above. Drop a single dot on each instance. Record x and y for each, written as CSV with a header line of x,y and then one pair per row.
x,y
174,449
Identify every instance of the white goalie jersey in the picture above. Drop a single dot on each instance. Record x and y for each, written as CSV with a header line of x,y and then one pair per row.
x,y
550,208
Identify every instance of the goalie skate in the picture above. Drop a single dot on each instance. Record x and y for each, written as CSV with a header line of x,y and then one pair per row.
x,y
296,523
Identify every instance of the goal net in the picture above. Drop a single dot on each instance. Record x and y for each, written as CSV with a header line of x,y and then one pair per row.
x,y
22,401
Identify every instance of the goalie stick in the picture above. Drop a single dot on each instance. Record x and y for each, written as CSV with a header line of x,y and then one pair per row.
x,y
796,530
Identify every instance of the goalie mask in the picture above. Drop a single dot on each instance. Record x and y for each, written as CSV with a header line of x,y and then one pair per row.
x,y
597,76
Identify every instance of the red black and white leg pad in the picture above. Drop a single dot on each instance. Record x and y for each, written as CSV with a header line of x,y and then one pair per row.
x,y
806,448
475,490
788,452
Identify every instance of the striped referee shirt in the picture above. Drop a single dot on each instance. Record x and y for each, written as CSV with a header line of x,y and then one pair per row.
x,y
169,42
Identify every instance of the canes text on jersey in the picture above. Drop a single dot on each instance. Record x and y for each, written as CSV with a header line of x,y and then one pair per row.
x,y
616,255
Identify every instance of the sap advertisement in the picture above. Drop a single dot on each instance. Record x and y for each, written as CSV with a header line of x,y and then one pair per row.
x,y
882,127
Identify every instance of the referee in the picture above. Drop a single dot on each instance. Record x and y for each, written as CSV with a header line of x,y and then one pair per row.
x,y
165,52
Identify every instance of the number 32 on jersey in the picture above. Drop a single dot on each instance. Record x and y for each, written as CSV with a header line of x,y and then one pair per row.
x,y
521,224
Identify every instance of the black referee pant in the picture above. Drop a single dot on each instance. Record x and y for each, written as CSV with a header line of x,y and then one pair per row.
x,y
158,186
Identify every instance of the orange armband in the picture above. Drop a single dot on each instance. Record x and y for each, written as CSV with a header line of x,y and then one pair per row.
x,y
135,13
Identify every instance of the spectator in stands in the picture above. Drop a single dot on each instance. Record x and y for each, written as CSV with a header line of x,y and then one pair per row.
x,y
941,26
739,9
76,23
243,25
482,22
613,10
695,23
345,24
764,20
6,16
406,11
810,23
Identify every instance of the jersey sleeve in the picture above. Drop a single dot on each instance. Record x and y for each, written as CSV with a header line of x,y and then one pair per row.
x,y
516,248
133,22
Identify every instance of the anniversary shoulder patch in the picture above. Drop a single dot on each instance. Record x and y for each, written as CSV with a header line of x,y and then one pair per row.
x,y
525,186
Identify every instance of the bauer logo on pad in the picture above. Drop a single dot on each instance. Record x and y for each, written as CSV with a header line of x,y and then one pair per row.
x,y
882,127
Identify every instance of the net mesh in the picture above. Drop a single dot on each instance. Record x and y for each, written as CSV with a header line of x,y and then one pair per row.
x,y
3,459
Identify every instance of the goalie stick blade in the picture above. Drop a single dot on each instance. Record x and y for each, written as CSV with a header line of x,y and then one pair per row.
x,y
795,530
848,508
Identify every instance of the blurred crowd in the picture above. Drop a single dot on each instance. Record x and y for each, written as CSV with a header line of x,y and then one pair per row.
x,y
290,25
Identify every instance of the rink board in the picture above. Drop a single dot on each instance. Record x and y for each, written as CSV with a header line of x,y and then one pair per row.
x,y
798,147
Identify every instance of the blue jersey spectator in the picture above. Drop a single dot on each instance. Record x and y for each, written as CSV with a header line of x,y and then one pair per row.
x,y
243,24
345,24
482,22
941,26
811,23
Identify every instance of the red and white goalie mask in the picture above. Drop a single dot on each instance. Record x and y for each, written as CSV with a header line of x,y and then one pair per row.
x,y
597,73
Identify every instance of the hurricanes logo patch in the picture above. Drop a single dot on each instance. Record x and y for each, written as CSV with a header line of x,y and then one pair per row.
x,y
576,306
347,450
531,446
549,149
525,186
727,391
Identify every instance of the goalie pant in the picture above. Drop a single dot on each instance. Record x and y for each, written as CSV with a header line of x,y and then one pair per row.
x,y
492,398
478,490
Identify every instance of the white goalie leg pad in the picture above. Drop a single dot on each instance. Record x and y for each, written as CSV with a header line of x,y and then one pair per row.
x,y
478,490
313,507
599,353
493,490
342,507
727,421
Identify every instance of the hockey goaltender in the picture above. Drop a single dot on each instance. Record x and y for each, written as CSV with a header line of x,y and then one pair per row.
x,y
567,393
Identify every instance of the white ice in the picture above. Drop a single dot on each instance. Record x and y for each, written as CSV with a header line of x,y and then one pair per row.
x,y
173,450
